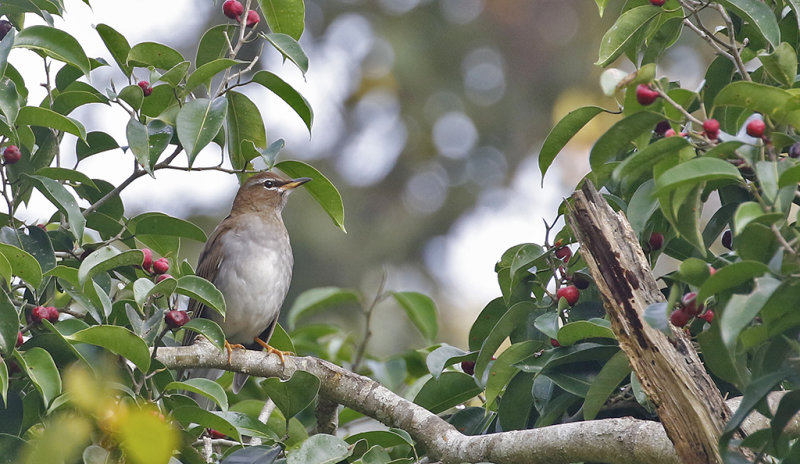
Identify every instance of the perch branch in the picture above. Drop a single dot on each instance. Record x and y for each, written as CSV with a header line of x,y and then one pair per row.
x,y
617,441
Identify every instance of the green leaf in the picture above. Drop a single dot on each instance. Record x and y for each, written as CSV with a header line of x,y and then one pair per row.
x,y
613,372
642,161
759,15
320,449
731,276
23,264
44,117
145,437
450,389
573,332
320,188
444,356
208,329
175,75
280,340
96,142
203,291
781,64
5,48
383,438
485,322
9,326
208,388
9,99
117,340
40,368
285,16
204,73
153,54
198,122
619,136
148,142
290,50
107,258
509,321
6,271
194,414
63,200
761,98
642,206
67,101
293,395
563,132
696,171
317,299
741,309
214,44
117,44
517,405
243,123
624,30
71,175
4,392
421,310
162,224
54,43
503,368
288,94
753,395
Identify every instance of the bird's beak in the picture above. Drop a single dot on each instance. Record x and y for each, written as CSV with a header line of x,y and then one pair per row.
x,y
294,183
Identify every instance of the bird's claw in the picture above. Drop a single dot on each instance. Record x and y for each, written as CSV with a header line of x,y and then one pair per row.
x,y
270,349
230,347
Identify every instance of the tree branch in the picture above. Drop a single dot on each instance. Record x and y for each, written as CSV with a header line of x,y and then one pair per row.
x,y
617,441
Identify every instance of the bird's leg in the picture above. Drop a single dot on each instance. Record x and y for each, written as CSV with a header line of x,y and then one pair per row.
x,y
230,347
270,349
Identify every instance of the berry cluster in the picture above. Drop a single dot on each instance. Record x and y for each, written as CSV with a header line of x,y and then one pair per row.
x,y
234,10
689,308
40,313
158,267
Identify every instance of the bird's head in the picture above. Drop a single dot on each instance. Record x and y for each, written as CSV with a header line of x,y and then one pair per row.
x,y
265,191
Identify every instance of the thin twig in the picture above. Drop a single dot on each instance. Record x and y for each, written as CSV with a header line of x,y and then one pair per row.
x,y
782,240
677,106
379,296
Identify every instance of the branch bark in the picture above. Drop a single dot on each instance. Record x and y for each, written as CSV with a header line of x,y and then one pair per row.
x,y
688,402
616,441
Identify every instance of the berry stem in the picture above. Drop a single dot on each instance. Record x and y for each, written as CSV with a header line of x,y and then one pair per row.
x,y
677,106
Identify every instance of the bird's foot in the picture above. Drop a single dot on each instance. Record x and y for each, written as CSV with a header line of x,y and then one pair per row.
x,y
230,347
270,349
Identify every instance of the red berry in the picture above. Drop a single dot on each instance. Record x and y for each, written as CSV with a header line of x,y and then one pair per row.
x,y
160,266
145,88
658,2
163,277
711,128
755,128
570,293
656,241
40,313
564,254
670,133
232,9
147,263
690,304
252,18
211,432
707,316
679,318
554,342
176,319
12,154
20,340
711,270
727,239
645,95
468,367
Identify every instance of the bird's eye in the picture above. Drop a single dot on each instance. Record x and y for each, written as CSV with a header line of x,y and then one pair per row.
x,y
269,183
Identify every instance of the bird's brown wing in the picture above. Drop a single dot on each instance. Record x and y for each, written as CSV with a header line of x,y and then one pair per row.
x,y
207,268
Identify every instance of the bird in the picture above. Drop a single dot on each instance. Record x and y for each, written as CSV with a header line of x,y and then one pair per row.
x,y
248,257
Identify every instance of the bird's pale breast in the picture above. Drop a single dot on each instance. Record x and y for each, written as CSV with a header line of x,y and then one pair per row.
x,y
254,276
